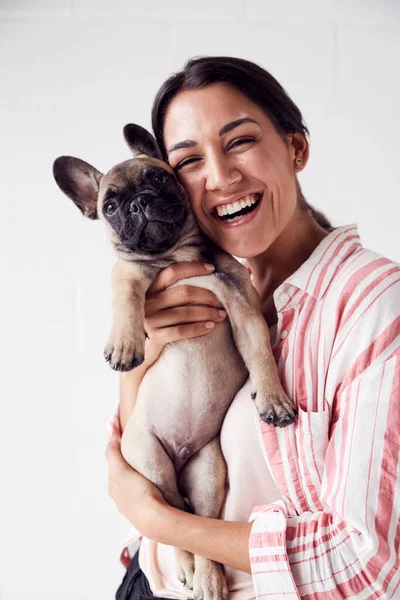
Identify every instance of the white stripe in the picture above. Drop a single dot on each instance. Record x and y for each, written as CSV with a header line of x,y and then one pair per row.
x,y
267,551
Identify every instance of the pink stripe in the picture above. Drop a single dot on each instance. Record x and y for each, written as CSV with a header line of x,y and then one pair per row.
x,y
371,353
255,560
333,242
355,280
298,351
286,594
316,556
309,527
299,585
335,257
337,485
391,284
330,535
259,540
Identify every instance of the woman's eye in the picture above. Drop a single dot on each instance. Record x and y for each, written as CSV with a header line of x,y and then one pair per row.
x,y
110,208
161,177
241,142
185,163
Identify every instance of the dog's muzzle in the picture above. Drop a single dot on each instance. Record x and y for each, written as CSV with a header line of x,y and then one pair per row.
x,y
140,202
152,224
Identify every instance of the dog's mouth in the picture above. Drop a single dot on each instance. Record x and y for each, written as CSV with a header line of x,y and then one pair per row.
x,y
229,213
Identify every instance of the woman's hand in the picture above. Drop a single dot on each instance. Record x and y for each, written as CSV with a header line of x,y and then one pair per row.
x,y
143,505
135,496
181,312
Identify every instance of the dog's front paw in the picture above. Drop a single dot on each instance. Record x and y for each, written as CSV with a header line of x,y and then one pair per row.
x,y
124,353
275,409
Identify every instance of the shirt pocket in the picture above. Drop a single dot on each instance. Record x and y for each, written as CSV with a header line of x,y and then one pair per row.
x,y
312,438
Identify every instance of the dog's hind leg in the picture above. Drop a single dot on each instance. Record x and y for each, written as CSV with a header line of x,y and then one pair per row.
x,y
142,450
203,481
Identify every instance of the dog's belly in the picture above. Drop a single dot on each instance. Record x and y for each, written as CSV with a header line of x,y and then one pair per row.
x,y
184,396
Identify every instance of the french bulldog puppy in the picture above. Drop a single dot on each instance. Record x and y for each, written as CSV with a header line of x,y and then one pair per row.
x,y
172,436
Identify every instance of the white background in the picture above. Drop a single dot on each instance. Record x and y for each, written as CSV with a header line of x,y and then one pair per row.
x,y
73,72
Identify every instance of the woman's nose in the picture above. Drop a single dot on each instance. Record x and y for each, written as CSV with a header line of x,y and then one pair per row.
x,y
221,174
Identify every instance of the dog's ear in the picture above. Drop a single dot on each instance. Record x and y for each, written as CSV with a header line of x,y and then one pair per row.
x,y
140,141
80,182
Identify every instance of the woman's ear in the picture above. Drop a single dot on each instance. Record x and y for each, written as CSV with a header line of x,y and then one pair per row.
x,y
299,150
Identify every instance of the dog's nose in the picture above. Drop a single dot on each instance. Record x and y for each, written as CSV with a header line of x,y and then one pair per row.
x,y
140,202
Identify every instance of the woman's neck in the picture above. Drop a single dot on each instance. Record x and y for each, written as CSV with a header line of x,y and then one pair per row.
x,y
289,251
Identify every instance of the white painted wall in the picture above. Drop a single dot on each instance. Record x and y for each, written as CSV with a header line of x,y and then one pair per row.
x,y
73,72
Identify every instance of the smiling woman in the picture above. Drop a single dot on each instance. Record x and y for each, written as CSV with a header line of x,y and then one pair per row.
x,y
311,510
235,155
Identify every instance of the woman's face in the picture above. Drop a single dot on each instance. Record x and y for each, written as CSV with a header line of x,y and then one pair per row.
x,y
236,168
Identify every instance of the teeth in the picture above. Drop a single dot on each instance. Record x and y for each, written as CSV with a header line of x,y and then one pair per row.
x,y
234,207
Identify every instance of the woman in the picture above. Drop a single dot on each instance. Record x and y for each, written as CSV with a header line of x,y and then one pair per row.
x,y
327,488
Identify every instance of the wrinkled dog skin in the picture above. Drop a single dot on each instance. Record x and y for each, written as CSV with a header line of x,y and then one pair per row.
x,y
172,436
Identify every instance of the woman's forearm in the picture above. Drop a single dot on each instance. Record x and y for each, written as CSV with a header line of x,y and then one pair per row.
x,y
129,387
142,503
226,542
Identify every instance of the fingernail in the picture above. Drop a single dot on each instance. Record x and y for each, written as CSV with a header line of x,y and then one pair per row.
x,y
209,324
222,313
209,267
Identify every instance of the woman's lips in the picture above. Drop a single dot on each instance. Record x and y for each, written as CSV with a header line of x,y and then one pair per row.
x,y
242,220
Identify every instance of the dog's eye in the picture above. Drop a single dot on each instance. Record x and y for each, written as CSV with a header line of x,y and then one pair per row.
x,y
160,177
110,208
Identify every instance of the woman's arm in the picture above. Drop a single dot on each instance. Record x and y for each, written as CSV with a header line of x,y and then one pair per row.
x,y
226,542
143,505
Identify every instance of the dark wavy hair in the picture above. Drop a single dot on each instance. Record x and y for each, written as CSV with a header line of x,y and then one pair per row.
x,y
249,79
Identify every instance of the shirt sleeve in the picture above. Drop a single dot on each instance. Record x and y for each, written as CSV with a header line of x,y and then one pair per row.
x,y
350,549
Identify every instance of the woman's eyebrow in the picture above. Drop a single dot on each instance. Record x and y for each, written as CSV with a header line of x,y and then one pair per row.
x,y
179,145
225,129
229,126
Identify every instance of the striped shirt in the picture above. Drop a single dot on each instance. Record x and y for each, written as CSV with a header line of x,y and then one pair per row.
x,y
336,532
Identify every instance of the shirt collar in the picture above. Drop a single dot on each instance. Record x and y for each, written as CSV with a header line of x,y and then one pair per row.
x,y
316,273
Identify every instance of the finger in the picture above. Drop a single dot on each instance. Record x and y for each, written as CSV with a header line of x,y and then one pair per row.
x,y
185,331
186,314
179,296
177,271
113,453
